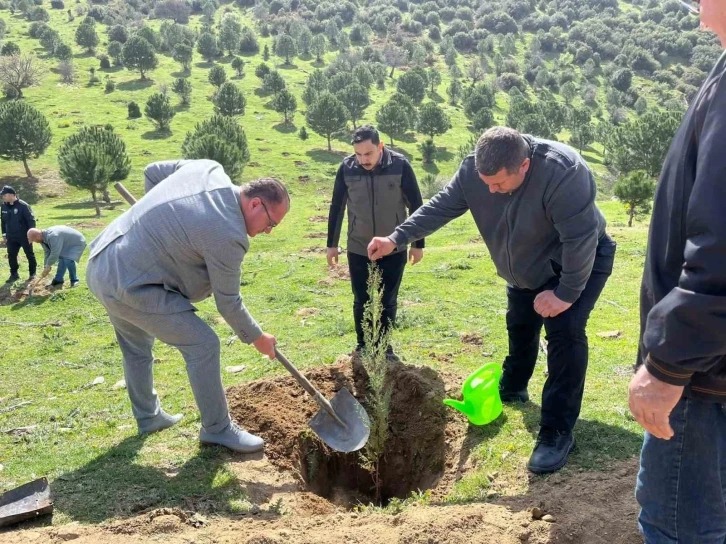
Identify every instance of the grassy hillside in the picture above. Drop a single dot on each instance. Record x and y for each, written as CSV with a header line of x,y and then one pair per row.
x,y
55,345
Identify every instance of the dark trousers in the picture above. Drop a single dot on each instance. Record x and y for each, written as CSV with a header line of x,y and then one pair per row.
x,y
13,250
392,268
567,348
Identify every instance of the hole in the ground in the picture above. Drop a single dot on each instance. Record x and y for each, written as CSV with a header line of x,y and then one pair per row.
x,y
415,452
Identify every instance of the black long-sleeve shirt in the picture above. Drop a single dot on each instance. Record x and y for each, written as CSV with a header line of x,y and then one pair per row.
x,y
683,295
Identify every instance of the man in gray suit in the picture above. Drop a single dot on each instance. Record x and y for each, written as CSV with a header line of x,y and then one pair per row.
x,y
182,242
62,245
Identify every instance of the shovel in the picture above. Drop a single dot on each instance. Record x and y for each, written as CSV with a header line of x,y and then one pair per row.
x,y
342,423
25,502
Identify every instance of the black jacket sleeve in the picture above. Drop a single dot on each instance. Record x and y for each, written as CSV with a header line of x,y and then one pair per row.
x,y
684,332
2,220
28,217
337,209
412,194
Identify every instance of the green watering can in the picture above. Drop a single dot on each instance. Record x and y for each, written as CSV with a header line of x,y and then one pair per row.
x,y
480,391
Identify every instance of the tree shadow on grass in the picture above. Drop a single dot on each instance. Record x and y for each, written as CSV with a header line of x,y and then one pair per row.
x,y
285,128
135,85
286,66
157,135
435,97
323,155
402,152
430,168
114,485
442,154
408,138
111,70
180,73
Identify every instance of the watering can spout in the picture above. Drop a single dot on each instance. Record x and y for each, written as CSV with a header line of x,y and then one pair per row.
x,y
456,404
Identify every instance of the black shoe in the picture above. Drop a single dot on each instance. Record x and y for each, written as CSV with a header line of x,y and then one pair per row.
x,y
514,396
31,277
55,283
551,451
75,283
12,278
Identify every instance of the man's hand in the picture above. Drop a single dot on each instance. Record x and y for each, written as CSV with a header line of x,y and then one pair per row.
x,y
415,254
547,304
652,401
333,256
265,344
379,247
46,271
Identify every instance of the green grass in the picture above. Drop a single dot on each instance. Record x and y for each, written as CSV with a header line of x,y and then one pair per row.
x,y
85,439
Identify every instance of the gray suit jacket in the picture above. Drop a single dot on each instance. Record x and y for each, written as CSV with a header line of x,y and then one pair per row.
x,y
62,241
182,242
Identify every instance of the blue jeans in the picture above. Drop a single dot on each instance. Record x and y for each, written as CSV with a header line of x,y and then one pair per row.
x,y
682,481
63,265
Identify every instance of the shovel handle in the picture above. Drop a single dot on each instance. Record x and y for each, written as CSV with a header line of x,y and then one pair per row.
x,y
305,383
128,197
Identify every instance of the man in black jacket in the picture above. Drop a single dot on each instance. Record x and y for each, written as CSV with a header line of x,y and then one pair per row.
x,y
379,187
533,201
16,219
678,393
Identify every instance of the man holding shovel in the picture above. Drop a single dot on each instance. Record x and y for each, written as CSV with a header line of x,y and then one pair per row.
x,y
534,204
62,245
182,242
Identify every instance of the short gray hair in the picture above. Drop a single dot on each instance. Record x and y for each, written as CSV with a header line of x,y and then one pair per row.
x,y
269,190
500,147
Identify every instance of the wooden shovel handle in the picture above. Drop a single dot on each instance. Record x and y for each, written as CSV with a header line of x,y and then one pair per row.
x,y
128,197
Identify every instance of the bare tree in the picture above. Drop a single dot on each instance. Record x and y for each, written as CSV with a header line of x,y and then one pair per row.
x,y
67,71
394,56
19,72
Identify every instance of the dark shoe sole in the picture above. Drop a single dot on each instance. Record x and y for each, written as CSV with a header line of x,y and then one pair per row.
x,y
513,397
553,468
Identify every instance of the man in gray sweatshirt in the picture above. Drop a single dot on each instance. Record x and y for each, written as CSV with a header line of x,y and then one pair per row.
x,y
62,245
533,201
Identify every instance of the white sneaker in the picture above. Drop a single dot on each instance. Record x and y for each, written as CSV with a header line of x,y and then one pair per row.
x,y
234,438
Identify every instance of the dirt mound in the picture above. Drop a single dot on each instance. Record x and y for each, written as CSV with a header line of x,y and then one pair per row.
x,y
318,219
415,456
586,508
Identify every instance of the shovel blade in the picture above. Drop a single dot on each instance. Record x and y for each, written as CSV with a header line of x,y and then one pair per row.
x,y
351,437
25,502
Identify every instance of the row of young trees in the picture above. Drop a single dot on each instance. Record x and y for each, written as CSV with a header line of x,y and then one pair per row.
x,y
96,156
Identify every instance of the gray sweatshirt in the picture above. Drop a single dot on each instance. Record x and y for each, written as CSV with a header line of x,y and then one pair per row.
x,y
62,241
550,219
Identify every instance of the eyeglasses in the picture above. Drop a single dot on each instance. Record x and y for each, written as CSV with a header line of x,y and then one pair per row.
x,y
270,223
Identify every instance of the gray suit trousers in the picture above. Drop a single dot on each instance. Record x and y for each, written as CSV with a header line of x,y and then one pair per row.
x,y
198,344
